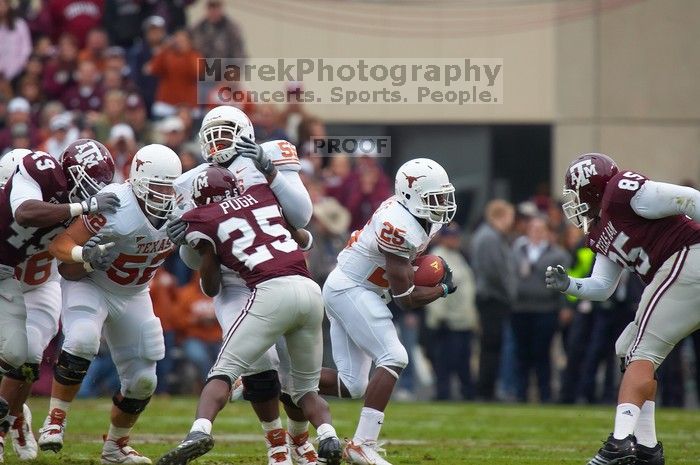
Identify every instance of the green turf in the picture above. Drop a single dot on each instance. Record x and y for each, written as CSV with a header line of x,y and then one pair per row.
x,y
416,433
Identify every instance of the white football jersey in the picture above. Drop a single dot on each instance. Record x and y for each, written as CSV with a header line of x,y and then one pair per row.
x,y
36,270
391,228
142,248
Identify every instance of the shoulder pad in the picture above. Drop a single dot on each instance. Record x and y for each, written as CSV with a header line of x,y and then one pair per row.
x,y
283,154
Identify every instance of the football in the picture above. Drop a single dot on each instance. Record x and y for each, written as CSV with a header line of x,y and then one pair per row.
x,y
428,270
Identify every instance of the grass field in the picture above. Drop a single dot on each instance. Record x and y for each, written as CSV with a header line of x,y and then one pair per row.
x,y
420,433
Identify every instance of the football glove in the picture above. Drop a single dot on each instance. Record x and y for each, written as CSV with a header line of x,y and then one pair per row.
x,y
556,278
96,254
175,228
249,149
447,283
107,202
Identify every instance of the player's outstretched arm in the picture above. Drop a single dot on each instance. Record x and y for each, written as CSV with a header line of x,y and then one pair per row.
x,y
399,273
598,287
656,200
293,198
210,271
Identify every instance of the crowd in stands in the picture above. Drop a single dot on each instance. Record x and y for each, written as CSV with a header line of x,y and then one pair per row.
x,y
125,72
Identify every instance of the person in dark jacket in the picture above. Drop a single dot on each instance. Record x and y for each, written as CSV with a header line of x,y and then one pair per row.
x,y
536,309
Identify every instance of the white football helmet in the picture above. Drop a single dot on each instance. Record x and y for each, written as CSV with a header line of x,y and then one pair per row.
x,y
423,187
9,162
153,172
221,128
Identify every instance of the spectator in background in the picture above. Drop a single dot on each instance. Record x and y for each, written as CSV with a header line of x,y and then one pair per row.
x,y
174,12
163,290
113,107
338,170
366,188
137,118
176,68
142,52
30,89
95,46
123,18
197,326
58,72
75,17
495,288
122,146
294,112
19,120
185,114
63,133
265,120
190,156
21,137
15,42
536,309
310,128
452,321
172,133
86,94
217,35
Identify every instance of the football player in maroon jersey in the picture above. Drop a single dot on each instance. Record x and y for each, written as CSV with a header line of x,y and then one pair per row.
x,y
248,234
36,204
650,228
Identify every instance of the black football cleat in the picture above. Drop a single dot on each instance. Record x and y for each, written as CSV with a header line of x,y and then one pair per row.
x,y
616,452
195,444
650,455
330,451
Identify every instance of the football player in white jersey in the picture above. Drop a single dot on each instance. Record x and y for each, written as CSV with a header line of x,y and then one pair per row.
x,y
31,181
110,296
376,262
227,140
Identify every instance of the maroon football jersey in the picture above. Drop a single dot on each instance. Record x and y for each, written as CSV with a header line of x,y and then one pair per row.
x,y
17,242
636,243
250,236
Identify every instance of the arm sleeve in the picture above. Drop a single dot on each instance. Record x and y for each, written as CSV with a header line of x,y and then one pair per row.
x,y
293,198
656,200
24,188
602,282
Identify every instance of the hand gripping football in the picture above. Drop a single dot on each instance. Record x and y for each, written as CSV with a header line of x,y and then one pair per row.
x,y
428,270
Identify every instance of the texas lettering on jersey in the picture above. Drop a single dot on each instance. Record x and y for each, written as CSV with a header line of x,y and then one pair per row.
x,y
249,235
20,244
639,244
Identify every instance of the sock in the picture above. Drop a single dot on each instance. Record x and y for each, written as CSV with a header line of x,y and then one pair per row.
x,y
116,432
625,420
295,428
268,426
645,431
326,431
202,425
369,425
59,404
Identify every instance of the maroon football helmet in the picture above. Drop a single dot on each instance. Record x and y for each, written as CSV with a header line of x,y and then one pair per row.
x,y
214,184
584,186
88,167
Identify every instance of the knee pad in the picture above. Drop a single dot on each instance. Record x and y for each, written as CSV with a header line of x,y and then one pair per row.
x,y
14,350
83,339
356,387
28,372
70,369
261,387
286,399
130,405
142,385
395,357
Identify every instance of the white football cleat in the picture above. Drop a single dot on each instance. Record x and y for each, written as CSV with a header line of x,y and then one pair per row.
x,y
23,441
364,453
120,451
303,452
2,449
51,434
277,449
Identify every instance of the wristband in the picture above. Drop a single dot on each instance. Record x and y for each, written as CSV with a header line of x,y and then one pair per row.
x,y
76,253
309,244
88,267
76,209
408,291
444,289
